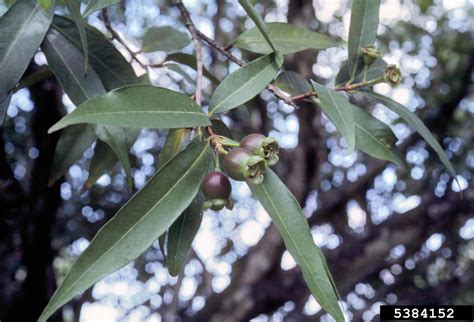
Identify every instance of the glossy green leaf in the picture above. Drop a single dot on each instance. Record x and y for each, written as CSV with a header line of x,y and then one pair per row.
x,y
95,5
257,19
112,68
148,214
293,83
362,31
244,84
67,63
338,109
172,146
286,37
23,28
138,106
289,219
164,39
102,162
181,235
74,7
375,137
190,61
415,122
73,142
375,70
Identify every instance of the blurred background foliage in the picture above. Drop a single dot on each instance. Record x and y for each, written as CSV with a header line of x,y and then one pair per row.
x,y
390,235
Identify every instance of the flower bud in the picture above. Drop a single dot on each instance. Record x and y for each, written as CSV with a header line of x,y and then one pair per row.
x,y
392,75
266,147
370,54
216,188
242,165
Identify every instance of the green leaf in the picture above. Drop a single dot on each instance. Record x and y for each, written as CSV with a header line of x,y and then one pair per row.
x,y
181,235
221,128
164,39
286,37
338,109
73,142
292,83
172,146
147,215
415,122
190,61
375,137
179,70
95,5
23,28
45,4
289,219
102,162
116,138
67,63
244,84
112,68
375,71
138,106
3,109
74,7
362,31
248,7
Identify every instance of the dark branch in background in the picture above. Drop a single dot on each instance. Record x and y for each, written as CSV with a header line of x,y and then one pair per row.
x,y
197,47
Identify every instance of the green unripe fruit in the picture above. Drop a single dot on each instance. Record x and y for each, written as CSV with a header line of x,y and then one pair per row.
x,y
241,164
266,147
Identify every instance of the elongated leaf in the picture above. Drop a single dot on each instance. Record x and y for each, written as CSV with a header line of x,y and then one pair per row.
x,y
244,84
171,147
95,5
375,137
179,70
138,106
190,61
289,219
362,31
221,128
23,28
137,224
116,138
3,109
164,39
376,70
102,162
67,63
415,122
181,235
46,4
74,8
286,37
109,64
338,109
73,142
248,7
292,83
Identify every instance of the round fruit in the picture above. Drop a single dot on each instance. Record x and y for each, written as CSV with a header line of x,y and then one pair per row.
x,y
241,164
266,147
216,186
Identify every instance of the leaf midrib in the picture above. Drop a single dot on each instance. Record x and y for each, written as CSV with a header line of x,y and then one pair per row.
x,y
20,31
373,138
295,245
360,37
349,132
138,222
240,89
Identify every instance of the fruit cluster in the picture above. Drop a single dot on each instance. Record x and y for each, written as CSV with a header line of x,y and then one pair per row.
x,y
245,162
